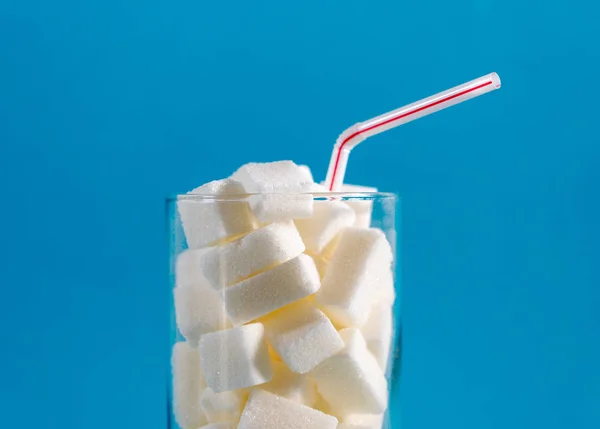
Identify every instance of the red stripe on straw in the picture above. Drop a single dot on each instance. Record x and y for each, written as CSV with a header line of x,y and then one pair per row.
x,y
412,112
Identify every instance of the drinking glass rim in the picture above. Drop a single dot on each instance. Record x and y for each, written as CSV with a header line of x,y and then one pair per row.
x,y
344,195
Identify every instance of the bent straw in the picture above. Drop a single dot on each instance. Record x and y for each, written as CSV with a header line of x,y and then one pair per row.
x,y
362,130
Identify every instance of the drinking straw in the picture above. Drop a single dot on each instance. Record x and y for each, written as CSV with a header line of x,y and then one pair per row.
x,y
362,130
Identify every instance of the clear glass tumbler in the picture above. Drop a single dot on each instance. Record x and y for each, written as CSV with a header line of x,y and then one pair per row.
x,y
289,324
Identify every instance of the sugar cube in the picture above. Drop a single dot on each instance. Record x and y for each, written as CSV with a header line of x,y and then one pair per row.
x,y
261,249
188,268
328,219
356,426
224,406
235,358
322,405
307,172
272,289
360,425
188,384
321,263
386,292
265,410
199,309
291,385
349,286
220,425
363,208
363,421
209,221
351,421
377,332
351,381
302,335
283,187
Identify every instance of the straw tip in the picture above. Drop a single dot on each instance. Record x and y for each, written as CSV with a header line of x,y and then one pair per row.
x,y
496,80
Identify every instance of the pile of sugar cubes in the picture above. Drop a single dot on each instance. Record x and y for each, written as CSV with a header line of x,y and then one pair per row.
x,y
285,304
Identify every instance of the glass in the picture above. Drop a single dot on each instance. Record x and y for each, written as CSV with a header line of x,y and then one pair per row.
x,y
248,313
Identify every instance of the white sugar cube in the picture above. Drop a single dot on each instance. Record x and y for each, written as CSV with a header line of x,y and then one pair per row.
x,y
265,410
351,381
328,219
363,208
270,177
321,263
235,358
323,406
272,289
224,406
209,221
377,332
188,268
307,172
351,421
199,309
363,421
220,425
281,184
350,284
188,384
386,292
280,207
357,426
290,385
259,250
302,335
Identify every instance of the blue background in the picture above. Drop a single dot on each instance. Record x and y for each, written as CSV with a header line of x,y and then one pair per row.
x,y
108,106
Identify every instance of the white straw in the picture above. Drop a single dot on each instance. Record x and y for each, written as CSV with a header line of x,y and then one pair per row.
x,y
362,130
